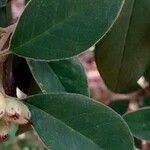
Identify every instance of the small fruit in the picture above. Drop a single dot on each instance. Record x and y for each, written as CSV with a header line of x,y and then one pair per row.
x,y
2,105
4,128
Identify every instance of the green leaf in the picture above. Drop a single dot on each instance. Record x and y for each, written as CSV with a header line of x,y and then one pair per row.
x,y
146,101
139,123
3,17
45,77
72,75
27,1
17,74
60,76
61,28
124,53
3,13
21,74
3,3
147,73
120,106
76,122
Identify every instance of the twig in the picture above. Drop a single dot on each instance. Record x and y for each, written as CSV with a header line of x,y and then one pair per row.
x,y
10,28
4,39
5,52
5,35
132,96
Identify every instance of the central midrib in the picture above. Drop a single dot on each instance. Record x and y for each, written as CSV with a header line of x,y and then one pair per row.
x,y
124,45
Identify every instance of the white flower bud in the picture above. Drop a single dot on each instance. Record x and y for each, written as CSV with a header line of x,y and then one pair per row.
x,y
2,105
17,111
4,128
13,110
25,115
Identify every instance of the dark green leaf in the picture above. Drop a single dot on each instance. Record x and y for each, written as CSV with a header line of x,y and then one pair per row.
x,y
75,122
65,75
3,3
146,101
124,53
120,106
147,73
72,75
21,74
61,28
17,74
45,77
27,1
3,17
139,123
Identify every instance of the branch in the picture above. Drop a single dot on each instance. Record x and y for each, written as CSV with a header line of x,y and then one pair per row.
x,y
132,96
5,34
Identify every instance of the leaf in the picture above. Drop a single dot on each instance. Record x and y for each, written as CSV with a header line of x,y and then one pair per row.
x,y
75,122
65,75
27,1
2,3
146,101
123,54
61,28
72,75
139,123
3,17
3,13
45,77
17,74
21,74
147,73
119,106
